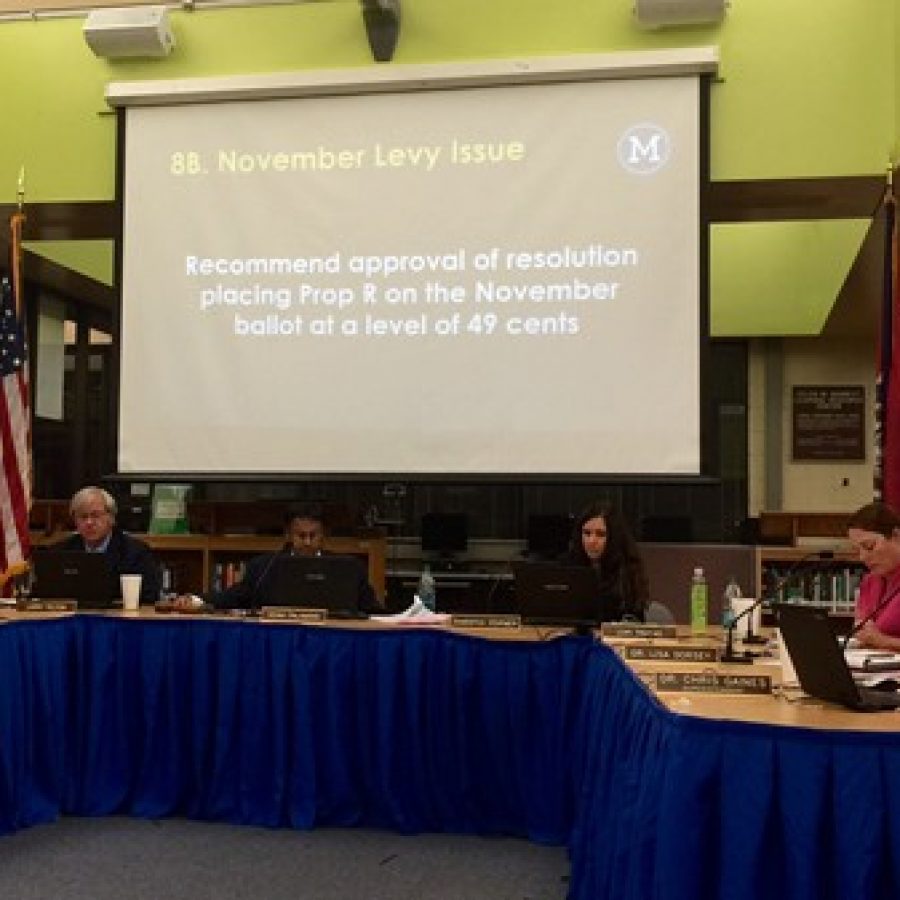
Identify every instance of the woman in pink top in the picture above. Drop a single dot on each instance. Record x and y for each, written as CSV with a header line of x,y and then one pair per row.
x,y
874,530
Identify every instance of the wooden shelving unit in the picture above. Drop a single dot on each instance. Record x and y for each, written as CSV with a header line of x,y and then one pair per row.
x,y
829,583
191,558
220,533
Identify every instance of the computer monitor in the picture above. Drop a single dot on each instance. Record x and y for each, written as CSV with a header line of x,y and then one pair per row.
x,y
445,534
667,529
548,535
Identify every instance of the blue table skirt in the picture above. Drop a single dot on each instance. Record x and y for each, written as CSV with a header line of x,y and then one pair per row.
x,y
297,727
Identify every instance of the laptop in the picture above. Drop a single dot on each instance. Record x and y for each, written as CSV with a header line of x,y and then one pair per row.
x,y
819,660
331,583
75,575
550,593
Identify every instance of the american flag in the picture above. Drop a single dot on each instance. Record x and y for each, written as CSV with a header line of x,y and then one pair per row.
x,y
15,434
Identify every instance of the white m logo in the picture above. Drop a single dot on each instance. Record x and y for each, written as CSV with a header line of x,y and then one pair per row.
x,y
644,149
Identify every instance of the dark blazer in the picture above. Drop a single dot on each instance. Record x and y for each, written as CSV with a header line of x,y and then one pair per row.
x,y
126,555
255,588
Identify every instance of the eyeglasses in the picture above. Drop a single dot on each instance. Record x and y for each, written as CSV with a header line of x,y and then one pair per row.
x,y
91,516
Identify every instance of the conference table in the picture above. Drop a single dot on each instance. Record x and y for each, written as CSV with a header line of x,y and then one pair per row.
x,y
554,739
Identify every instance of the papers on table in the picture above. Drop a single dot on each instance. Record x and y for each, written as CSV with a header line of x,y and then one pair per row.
x,y
416,615
872,660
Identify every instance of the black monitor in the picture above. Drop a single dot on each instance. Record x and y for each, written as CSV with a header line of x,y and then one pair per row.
x,y
548,536
667,529
445,534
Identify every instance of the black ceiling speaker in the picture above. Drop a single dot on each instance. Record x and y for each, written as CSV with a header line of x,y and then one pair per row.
x,y
382,20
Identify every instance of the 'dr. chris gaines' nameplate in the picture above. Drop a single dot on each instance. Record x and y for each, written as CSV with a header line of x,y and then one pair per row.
x,y
713,683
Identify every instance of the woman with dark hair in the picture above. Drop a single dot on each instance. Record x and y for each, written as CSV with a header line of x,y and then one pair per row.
x,y
874,530
602,539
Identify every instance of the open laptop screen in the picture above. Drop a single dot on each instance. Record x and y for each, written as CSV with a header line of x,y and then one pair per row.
x,y
74,575
317,582
819,660
549,593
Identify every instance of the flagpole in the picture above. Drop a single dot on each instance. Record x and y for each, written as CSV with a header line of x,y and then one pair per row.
x,y
16,224
884,487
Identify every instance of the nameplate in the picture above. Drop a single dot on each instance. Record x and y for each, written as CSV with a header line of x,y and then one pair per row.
x,y
633,630
713,683
669,653
293,613
46,605
491,620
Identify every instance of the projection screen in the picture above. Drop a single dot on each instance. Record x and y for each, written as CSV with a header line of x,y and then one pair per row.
x,y
500,279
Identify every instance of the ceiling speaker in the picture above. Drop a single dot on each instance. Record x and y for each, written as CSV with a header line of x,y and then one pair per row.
x,y
132,31
662,13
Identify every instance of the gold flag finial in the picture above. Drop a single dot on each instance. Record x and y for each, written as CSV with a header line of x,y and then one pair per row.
x,y
20,189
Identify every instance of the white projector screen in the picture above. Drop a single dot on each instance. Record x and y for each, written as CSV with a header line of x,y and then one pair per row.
x,y
493,280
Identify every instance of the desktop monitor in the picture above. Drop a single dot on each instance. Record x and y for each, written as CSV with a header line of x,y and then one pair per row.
x,y
667,529
445,534
548,536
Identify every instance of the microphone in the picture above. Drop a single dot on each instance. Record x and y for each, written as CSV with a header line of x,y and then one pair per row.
x,y
882,603
728,654
278,554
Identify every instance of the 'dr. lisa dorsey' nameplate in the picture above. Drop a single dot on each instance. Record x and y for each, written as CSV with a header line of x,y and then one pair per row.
x,y
669,653
636,630
713,683
293,613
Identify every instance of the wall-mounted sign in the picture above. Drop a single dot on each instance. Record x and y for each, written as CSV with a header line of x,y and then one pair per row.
x,y
829,422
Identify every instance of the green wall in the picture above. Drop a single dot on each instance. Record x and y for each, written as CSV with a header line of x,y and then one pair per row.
x,y
808,88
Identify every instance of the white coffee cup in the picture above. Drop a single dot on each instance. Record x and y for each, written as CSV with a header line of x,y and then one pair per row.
x,y
738,606
131,591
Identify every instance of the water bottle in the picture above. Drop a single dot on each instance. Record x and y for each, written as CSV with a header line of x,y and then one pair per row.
x,y
699,600
732,592
427,592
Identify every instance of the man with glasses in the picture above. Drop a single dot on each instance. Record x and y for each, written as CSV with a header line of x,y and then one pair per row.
x,y
93,512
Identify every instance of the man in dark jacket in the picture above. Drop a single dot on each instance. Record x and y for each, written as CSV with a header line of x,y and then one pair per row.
x,y
93,512
305,534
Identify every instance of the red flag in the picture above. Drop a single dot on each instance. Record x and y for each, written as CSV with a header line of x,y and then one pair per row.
x,y
15,417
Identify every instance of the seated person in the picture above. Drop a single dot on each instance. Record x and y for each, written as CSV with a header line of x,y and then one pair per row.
x,y
305,533
874,530
93,511
601,539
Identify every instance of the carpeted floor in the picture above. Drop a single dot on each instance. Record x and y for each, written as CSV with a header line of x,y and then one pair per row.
x,y
172,859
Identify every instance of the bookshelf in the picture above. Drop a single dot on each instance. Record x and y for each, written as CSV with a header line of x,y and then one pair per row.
x,y
223,537
799,576
195,562
191,562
